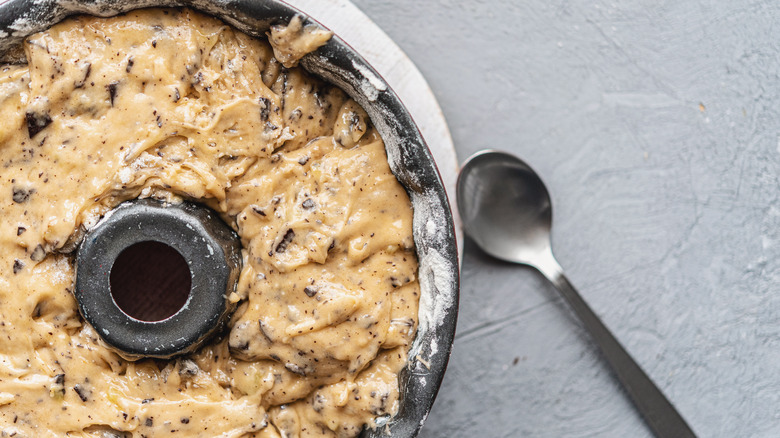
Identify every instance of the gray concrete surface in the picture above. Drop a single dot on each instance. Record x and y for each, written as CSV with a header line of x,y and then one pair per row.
x,y
656,125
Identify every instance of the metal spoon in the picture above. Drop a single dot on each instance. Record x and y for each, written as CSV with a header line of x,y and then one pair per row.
x,y
506,210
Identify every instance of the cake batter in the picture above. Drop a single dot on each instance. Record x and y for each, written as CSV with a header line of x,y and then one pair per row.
x,y
176,105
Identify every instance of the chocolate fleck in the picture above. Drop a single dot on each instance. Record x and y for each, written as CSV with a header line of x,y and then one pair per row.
x,y
263,331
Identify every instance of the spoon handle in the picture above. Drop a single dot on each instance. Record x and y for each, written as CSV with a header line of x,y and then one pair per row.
x,y
656,409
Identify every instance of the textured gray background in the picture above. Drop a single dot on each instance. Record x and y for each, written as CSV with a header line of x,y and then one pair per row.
x,y
655,125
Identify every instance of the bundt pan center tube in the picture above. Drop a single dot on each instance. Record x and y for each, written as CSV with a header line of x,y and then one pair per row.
x,y
212,256
408,156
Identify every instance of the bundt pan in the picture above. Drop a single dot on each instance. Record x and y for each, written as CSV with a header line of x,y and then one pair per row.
x,y
409,157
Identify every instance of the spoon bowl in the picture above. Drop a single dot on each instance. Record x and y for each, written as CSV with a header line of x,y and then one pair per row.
x,y
506,209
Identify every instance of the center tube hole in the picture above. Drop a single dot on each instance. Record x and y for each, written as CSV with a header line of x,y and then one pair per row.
x,y
150,281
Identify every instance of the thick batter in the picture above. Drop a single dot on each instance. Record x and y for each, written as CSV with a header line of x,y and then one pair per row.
x,y
176,105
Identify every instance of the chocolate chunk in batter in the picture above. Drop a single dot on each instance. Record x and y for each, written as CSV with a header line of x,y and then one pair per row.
x,y
36,122
38,253
112,91
87,72
265,109
21,195
288,237
82,392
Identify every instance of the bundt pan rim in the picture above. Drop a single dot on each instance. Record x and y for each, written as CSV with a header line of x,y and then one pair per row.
x,y
409,157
